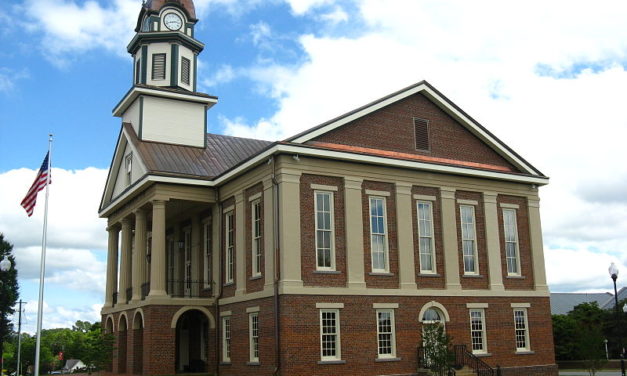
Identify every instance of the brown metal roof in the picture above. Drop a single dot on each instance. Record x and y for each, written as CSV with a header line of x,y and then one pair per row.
x,y
187,5
221,154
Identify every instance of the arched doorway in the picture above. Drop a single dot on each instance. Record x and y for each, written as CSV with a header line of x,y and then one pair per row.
x,y
138,344
435,342
192,331
122,344
109,331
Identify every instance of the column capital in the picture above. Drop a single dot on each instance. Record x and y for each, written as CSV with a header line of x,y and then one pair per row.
x,y
158,202
114,227
403,188
447,193
353,182
267,183
288,176
140,212
126,221
533,202
489,197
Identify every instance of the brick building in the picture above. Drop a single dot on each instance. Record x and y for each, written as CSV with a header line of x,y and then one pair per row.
x,y
322,254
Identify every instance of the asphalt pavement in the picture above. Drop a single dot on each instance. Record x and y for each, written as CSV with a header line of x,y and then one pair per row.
x,y
585,373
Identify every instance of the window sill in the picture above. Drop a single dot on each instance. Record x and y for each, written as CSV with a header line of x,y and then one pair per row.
x,y
481,355
225,363
525,352
332,361
327,272
229,284
255,277
387,360
472,276
382,274
253,363
516,277
429,275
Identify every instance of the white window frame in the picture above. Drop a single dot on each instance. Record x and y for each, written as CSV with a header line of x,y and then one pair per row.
x,y
338,346
226,339
256,238
525,329
391,333
466,237
207,252
513,227
331,230
481,331
253,337
386,253
434,269
229,260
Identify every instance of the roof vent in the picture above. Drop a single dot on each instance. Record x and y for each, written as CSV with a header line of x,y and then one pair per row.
x,y
421,133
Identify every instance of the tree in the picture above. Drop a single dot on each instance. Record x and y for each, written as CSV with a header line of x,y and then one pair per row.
x,y
8,291
437,348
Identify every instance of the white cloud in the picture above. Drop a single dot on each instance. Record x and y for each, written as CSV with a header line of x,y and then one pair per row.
x,y
9,77
300,7
55,317
336,16
223,75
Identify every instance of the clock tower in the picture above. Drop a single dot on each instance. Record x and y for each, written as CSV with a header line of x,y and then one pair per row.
x,y
163,104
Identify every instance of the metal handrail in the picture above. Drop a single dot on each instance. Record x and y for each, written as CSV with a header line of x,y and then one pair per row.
x,y
463,357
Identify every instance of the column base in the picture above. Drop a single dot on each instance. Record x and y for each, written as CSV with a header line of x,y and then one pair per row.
x,y
357,285
409,286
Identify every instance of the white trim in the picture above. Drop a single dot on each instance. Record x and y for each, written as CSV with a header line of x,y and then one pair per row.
x,y
329,305
255,262
434,304
516,242
476,305
252,357
229,249
372,192
338,343
467,202
322,187
132,95
225,313
434,268
520,305
392,334
527,336
386,247
509,206
384,305
252,309
424,197
227,209
474,240
484,339
331,195
226,340
254,197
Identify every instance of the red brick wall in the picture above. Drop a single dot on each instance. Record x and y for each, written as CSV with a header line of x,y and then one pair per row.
x,y
377,280
525,281
229,290
253,283
392,128
310,276
425,280
479,281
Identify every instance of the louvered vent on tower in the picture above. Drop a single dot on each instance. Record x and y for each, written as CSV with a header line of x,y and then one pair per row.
x,y
185,65
421,132
158,67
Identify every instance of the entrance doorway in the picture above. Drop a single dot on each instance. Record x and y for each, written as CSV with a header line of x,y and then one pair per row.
x,y
192,330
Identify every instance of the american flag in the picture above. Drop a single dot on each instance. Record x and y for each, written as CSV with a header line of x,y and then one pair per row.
x,y
28,203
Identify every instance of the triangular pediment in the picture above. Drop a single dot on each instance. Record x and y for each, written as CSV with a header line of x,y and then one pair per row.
x,y
417,123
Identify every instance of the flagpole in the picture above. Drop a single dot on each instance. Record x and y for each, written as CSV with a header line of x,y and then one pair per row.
x,y
42,269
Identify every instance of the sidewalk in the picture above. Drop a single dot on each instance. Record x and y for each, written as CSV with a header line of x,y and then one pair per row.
x,y
585,373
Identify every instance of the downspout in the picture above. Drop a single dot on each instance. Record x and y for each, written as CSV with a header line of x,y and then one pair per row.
x,y
275,235
219,283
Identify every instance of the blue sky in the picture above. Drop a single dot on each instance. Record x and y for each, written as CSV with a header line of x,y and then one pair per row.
x,y
546,78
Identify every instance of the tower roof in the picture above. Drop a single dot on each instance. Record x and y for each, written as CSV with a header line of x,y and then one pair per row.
x,y
186,5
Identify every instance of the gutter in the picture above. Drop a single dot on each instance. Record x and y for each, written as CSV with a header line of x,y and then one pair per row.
x,y
275,235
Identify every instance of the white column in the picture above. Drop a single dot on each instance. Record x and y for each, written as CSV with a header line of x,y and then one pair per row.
x,y
240,244
289,228
537,251
449,238
405,233
158,257
354,232
125,261
495,268
112,264
139,257
268,232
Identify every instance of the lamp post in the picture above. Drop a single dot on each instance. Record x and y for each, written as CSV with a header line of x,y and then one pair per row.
x,y
613,270
5,265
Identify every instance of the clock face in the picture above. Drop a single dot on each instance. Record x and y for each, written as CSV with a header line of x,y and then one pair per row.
x,y
172,21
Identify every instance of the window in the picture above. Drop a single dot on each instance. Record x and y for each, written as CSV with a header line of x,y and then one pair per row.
x,y
330,334
378,235
226,339
129,168
477,331
230,242
421,133
386,341
324,231
158,66
511,241
185,67
469,239
207,252
253,332
256,234
426,244
521,329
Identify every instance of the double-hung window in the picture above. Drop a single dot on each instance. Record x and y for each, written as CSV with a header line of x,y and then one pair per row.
x,y
477,331
521,329
330,348
469,239
511,242
206,243
325,257
378,235
426,244
230,247
386,338
256,238
253,336
226,339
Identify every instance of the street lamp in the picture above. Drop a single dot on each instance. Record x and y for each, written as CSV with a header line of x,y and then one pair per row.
x,y
613,270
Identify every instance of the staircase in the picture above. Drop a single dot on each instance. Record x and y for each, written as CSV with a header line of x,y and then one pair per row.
x,y
465,371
